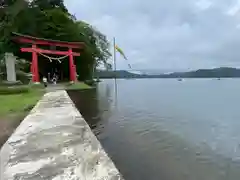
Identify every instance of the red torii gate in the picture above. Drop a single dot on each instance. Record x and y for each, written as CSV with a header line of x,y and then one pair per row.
x,y
34,41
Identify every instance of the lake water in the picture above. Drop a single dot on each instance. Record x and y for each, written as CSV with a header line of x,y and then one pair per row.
x,y
167,129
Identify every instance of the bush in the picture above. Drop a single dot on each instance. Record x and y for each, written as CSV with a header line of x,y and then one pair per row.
x,y
13,90
91,82
7,83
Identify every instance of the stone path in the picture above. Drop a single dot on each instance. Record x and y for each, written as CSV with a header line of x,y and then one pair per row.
x,y
54,142
52,87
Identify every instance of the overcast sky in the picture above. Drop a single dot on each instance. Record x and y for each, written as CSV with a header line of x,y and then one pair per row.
x,y
167,34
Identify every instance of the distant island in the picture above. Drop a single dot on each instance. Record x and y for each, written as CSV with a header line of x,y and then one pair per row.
x,y
222,72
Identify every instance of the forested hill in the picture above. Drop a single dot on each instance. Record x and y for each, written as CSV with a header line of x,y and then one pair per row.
x,y
201,73
118,74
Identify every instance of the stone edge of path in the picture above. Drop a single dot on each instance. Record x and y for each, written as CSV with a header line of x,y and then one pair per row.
x,y
55,142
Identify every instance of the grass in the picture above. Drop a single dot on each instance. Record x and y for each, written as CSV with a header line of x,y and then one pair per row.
x,y
77,86
19,103
15,105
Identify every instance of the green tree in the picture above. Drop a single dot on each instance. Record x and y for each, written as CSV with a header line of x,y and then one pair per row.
x,y
49,4
50,19
97,47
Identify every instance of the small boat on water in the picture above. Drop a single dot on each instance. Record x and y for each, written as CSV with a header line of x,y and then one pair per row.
x,y
179,79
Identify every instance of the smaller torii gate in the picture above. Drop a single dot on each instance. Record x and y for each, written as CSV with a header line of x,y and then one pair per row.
x,y
34,41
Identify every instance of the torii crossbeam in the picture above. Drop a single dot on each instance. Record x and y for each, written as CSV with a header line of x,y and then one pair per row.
x,y
35,41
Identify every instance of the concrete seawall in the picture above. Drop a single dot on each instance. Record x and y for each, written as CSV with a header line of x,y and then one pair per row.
x,y
54,142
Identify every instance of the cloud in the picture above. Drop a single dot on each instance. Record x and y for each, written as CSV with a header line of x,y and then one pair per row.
x,y
171,34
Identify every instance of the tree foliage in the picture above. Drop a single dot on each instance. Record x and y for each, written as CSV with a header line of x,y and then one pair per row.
x,y
51,19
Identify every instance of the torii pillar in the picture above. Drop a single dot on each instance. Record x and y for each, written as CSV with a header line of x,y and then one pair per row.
x,y
34,65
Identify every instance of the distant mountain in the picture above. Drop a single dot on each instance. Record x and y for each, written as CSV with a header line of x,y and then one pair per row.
x,y
161,71
117,74
207,73
201,73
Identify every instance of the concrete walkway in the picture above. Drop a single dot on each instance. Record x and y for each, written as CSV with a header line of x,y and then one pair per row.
x,y
54,142
54,87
